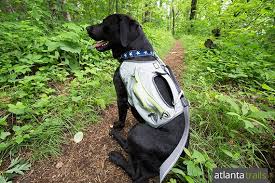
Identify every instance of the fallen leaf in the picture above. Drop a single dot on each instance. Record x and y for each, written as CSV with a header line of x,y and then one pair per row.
x,y
78,137
59,165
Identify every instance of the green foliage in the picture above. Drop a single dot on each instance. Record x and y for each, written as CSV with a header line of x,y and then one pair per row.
x,y
228,125
195,166
161,43
51,82
50,79
17,166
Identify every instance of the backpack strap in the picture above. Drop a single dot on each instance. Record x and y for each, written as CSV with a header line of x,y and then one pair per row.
x,y
168,164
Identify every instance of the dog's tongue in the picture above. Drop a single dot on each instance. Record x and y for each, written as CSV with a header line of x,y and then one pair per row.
x,y
100,43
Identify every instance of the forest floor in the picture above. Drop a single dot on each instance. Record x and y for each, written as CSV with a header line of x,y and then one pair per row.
x,y
87,161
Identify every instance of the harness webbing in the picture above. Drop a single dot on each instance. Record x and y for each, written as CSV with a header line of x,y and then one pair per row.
x,y
168,164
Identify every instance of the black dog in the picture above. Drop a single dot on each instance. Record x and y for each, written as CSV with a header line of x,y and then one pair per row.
x,y
147,147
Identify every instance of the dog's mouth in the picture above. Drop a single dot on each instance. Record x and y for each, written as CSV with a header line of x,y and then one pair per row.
x,y
102,45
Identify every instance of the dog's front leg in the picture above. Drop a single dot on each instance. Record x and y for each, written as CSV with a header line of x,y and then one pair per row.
x,y
118,137
122,100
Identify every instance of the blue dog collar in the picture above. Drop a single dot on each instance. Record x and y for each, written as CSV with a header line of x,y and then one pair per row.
x,y
136,53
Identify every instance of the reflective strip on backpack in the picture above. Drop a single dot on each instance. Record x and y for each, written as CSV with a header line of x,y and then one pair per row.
x,y
168,164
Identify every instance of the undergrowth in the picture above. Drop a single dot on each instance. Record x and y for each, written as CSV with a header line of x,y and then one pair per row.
x,y
51,84
231,108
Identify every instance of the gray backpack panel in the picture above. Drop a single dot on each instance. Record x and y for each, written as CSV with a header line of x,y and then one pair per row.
x,y
138,78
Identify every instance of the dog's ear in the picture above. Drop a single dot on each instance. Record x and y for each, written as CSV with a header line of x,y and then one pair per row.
x,y
124,30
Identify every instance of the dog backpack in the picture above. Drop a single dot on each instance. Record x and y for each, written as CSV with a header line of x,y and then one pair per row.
x,y
143,93
138,78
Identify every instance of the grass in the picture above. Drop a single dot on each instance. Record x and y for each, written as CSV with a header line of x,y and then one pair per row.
x,y
78,103
219,131
41,110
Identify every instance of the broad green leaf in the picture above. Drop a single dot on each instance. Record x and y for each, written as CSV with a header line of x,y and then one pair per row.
x,y
3,146
76,99
187,152
198,157
233,114
266,87
228,153
73,64
16,128
210,165
52,45
41,103
19,108
231,101
248,124
262,115
234,105
19,139
172,180
21,68
73,27
258,122
3,121
70,47
192,168
3,135
245,108
188,179
178,171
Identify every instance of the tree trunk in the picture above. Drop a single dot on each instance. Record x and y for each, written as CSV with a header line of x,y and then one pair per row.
x,y
173,20
66,14
116,6
52,8
110,7
146,17
169,18
193,9
7,7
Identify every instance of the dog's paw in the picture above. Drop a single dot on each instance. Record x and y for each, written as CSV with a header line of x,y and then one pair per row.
x,y
112,132
118,125
116,158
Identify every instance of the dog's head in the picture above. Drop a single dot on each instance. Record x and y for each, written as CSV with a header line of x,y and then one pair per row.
x,y
116,32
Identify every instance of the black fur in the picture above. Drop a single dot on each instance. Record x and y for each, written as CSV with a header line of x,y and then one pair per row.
x,y
147,147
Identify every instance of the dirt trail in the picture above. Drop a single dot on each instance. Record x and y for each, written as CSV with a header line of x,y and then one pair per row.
x,y
87,161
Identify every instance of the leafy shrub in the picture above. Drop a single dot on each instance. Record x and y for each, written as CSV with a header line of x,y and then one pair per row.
x,y
228,127
197,166
36,68
17,166
49,84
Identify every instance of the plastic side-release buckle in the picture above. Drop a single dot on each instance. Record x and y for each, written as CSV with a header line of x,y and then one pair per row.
x,y
156,65
178,98
185,102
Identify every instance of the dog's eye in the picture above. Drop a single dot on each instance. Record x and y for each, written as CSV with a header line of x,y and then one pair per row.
x,y
106,29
